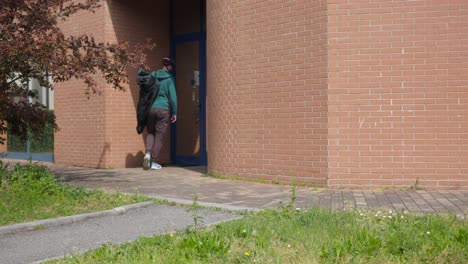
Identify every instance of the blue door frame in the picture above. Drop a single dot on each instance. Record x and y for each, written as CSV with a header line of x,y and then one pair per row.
x,y
200,37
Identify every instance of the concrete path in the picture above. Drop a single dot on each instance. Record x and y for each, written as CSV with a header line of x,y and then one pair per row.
x,y
181,185
85,234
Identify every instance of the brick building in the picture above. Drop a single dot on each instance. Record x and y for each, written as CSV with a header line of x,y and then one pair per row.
x,y
343,93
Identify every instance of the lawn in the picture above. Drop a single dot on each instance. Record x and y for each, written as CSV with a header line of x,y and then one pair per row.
x,y
301,236
29,192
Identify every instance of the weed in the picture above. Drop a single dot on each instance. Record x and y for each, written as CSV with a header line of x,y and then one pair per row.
x,y
292,203
203,245
415,186
197,219
219,176
39,227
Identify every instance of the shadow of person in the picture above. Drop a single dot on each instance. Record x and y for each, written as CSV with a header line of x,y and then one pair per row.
x,y
134,160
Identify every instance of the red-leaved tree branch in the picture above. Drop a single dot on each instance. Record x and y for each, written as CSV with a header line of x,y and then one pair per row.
x,y
32,46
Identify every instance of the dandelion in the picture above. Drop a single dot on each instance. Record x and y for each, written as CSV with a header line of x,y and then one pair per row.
x,y
247,254
171,235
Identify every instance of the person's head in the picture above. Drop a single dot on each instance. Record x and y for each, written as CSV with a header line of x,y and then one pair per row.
x,y
168,63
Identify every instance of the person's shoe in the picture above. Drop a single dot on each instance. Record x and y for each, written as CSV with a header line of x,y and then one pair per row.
x,y
155,166
147,161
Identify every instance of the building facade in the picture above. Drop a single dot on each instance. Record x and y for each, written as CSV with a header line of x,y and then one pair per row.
x,y
335,93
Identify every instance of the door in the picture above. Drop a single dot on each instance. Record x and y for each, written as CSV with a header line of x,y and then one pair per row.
x,y
188,49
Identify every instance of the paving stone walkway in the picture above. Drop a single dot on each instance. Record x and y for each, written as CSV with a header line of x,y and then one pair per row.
x,y
182,184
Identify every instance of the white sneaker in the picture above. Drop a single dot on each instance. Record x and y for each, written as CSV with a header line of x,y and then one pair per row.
x,y
155,166
147,161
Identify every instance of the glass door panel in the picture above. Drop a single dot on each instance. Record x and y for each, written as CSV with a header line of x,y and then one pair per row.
x,y
188,95
39,146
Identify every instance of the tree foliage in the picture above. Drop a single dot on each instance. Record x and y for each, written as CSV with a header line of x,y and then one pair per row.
x,y
33,46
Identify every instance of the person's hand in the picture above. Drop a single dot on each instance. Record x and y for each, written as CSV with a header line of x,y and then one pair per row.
x,y
173,118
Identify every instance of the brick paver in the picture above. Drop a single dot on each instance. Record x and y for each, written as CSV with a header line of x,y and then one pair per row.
x,y
184,183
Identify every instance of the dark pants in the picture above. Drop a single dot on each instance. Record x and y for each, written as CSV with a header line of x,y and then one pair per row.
x,y
156,125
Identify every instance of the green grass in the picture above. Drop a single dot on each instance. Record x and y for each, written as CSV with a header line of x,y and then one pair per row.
x,y
219,176
29,192
305,236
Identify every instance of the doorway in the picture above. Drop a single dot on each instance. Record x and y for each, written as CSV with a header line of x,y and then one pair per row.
x,y
188,48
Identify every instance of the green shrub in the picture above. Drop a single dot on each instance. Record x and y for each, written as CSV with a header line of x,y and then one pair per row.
x,y
15,144
39,142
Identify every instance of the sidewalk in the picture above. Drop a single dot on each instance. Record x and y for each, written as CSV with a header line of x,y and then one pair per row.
x,y
64,239
182,184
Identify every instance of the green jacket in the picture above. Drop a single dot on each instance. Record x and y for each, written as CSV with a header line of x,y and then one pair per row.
x,y
167,91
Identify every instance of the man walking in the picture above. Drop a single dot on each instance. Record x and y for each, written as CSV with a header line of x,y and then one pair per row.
x,y
163,109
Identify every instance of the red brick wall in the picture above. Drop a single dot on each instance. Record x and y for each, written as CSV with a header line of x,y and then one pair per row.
x,y
344,93
266,90
80,140
398,95
100,132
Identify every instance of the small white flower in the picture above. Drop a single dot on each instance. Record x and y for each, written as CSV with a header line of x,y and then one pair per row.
x,y
389,216
298,209
402,217
428,232
361,214
383,216
289,246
